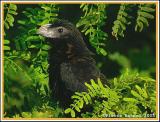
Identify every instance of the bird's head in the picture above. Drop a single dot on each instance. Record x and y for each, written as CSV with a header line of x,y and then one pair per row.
x,y
65,35
60,30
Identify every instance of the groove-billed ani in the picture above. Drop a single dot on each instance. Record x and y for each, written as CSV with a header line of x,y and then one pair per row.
x,y
70,61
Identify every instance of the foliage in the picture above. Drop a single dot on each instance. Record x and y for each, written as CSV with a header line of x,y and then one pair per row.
x,y
26,90
44,111
92,28
121,59
26,73
129,94
34,18
122,21
10,10
144,13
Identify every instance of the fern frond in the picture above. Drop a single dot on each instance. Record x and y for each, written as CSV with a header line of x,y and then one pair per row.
x,y
6,45
91,23
44,14
10,10
95,90
144,14
105,100
122,21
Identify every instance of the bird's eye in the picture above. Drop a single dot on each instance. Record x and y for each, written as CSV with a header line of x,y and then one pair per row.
x,y
60,30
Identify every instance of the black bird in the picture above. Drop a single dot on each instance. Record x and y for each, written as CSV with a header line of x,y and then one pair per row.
x,y
70,61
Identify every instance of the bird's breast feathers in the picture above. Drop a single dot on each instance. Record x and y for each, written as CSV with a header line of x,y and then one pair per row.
x,y
74,75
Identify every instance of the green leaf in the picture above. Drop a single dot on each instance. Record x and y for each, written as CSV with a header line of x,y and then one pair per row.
x,y
130,100
88,85
122,19
144,20
73,113
141,91
136,27
92,91
46,47
102,51
68,110
145,14
122,26
144,93
94,85
85,99
88,31
123,13
10,19
33,38
76,97
13,7
7,48
46,21
139,26
79,94
13,12
134,93
147,79
6,41
80,104
6,25
32,46
147,9
100,83
21,22
82,5
47,8
77,108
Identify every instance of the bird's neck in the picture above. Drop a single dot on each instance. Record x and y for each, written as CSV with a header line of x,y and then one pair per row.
x,y
69,50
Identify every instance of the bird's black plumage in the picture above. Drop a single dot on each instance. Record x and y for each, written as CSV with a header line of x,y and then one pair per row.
x,y
70,61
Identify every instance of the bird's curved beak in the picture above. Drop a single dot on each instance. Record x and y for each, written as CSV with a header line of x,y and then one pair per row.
x,y
43,31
